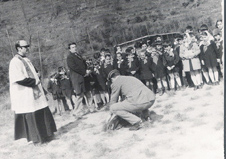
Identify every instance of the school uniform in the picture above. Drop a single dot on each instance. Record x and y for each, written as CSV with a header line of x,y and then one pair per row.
x,y
121,66
105,70
66,87
146,69
54,88
171,60
160,69
209,54
133,65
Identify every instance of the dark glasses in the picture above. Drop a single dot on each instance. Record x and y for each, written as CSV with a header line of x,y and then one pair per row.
x,y
25,46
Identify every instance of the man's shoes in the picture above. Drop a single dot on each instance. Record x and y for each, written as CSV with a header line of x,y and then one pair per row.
x,y
155,117
136,126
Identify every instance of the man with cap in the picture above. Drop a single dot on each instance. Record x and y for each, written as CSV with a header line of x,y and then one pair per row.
x,y
137,98
33,119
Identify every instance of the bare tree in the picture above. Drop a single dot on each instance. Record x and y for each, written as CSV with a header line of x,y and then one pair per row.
x,y
26,20
10,43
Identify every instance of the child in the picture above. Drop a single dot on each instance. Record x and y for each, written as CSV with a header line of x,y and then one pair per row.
x,y
209,56
189,51
105,69
219,43
133,65
99,87
89,86
160,69
54,88
171,60
66,87
120,64
177,42
146,69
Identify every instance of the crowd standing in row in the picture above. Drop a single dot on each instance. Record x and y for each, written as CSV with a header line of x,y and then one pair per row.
x,y
188,60
160,65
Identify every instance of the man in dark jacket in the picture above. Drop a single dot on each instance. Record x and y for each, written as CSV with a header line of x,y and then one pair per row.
x,y
77,67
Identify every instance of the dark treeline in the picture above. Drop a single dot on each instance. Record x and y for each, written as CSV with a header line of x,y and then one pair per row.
x,y
51,24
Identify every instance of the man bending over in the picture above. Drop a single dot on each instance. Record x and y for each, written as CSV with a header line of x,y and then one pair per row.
x,y
137,98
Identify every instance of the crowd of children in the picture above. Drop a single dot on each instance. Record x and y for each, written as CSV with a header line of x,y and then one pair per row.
x,y
188,60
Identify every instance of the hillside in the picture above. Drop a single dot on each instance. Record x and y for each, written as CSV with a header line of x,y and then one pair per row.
x,y
50,25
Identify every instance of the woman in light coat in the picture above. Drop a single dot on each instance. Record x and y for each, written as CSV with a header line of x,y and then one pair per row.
x,y
189,52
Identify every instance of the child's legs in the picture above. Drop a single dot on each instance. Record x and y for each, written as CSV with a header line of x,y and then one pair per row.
x,y
164,82
159,83
193,77
216,74
184,78
198,76
107,97
68,100
171,80
211,74
178,80
206,75
149,84
102,96
59,106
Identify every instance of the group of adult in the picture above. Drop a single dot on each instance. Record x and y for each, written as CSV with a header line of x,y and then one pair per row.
x,y
129,77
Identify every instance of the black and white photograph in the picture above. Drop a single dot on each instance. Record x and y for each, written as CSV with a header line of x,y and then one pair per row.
x,y
112,79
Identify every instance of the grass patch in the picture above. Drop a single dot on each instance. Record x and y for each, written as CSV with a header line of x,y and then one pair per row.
x,y
180,117
208,88
166,121
205,105
194,98
176,128
189,109
202,115
219,126
157,106
197,123
208,94
149,153
169,106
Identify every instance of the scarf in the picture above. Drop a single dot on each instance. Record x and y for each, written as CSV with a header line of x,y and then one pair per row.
x,y
145,60
205,45
36,89
119,63
130,60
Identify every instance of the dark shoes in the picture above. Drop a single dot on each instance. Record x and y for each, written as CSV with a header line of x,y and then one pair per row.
x,y
160,91
216,83
136,126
